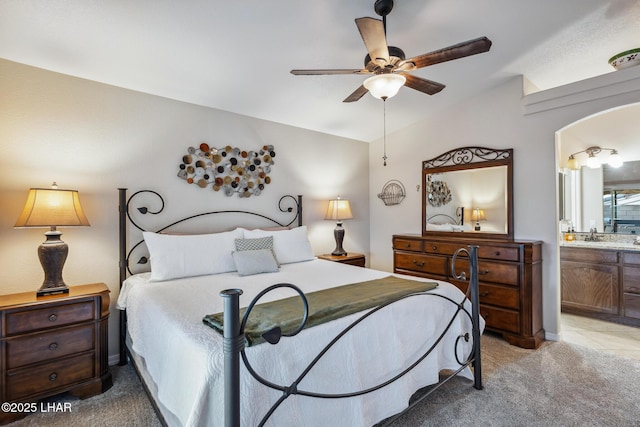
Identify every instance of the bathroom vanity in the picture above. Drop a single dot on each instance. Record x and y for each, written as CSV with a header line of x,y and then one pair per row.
x,y
601,280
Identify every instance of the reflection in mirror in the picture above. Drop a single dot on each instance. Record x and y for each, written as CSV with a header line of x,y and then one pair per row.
x,y
468,190
607,199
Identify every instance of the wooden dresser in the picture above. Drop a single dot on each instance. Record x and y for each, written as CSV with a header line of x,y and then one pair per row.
x,y
510,279
53,344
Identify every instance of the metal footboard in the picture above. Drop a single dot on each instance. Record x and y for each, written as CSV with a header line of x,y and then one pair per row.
x,y
234,345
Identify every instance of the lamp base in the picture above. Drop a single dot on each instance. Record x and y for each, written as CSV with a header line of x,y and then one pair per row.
x,y
338,233
58,290
52,254
477,227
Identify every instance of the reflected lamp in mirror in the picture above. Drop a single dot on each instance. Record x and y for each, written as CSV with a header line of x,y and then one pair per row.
x,y
593,161
339,210
478,215
52,208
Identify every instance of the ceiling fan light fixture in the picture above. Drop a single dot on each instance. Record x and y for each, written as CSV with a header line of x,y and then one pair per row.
x,y
384,86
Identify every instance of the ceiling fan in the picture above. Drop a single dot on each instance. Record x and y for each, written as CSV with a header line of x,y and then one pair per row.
x,y
388,65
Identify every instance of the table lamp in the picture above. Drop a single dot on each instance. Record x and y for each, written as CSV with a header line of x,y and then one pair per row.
x,y
477,215
339,210
52,207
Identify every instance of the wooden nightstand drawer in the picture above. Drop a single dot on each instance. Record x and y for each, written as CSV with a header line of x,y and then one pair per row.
x,y
49,345
51,316
22,383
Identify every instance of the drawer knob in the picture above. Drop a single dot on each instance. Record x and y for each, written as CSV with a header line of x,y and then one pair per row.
x,y
483,272
435,248
53,346
53,376
408,245
53,318
418,264
484,294
497,253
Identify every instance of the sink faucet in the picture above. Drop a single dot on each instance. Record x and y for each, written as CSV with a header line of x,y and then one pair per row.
x,y
593,236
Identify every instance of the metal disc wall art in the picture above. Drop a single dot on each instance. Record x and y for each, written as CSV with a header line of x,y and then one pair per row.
x,y
228,169
438,193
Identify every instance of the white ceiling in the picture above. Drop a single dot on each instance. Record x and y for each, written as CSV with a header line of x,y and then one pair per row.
x,y
236,55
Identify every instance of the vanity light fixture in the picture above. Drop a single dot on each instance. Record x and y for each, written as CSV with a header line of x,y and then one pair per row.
x,y
593,161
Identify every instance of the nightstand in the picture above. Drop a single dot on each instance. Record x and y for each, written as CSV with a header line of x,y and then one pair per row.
x,y
350,258
53,344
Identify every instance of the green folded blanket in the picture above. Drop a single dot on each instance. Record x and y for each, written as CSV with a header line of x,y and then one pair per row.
x,y
324,306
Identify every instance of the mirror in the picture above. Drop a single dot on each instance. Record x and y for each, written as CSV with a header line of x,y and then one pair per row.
x,y
606,198
468,191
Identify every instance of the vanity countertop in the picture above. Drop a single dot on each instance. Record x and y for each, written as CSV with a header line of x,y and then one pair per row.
x,y
624,246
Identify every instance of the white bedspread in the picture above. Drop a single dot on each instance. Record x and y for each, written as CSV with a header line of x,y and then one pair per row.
x,y
185,358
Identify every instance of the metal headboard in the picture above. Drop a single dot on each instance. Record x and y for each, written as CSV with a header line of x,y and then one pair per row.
x,y
287,203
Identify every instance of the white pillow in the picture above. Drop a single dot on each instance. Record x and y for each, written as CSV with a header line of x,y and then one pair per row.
x,y
439,227
255,261
174,256
288,245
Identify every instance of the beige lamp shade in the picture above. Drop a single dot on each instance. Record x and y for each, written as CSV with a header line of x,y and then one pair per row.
x,y
46,207
338,210
478,215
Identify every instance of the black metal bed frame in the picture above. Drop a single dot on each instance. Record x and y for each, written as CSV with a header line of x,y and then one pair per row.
x,y
233,334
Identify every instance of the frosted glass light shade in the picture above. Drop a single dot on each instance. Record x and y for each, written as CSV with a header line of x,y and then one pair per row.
x,y
593,162
384,86
615,160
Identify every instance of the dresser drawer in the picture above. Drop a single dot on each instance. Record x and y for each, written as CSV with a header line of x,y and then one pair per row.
x,y
421,263
501,319
51,316
22,383
502,253
501,296
506,274
442,248
49,345
407,245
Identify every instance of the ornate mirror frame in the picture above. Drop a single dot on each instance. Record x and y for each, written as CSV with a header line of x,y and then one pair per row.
x,y
469,158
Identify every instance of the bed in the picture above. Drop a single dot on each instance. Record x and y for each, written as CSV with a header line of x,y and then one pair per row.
x,y
197,376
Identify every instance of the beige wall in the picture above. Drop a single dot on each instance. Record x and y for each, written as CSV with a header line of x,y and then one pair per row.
x,y
95,138
499,118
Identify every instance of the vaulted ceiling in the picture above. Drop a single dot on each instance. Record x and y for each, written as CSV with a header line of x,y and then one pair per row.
x,y
236,55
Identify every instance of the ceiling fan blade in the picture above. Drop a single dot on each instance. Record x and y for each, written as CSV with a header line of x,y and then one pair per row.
x,y
329,71
423,85
357,94
460,50
372,33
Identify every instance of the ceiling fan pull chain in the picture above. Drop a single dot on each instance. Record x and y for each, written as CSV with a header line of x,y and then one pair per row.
x,y
384,132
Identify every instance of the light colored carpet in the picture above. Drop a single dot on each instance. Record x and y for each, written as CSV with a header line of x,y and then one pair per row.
x,y
559,384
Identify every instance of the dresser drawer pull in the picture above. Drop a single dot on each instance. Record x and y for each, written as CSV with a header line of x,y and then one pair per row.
x,y
485,315
497,253
408,246
53,376
418,264
484,294
53,318
53,346
435,248
483,272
